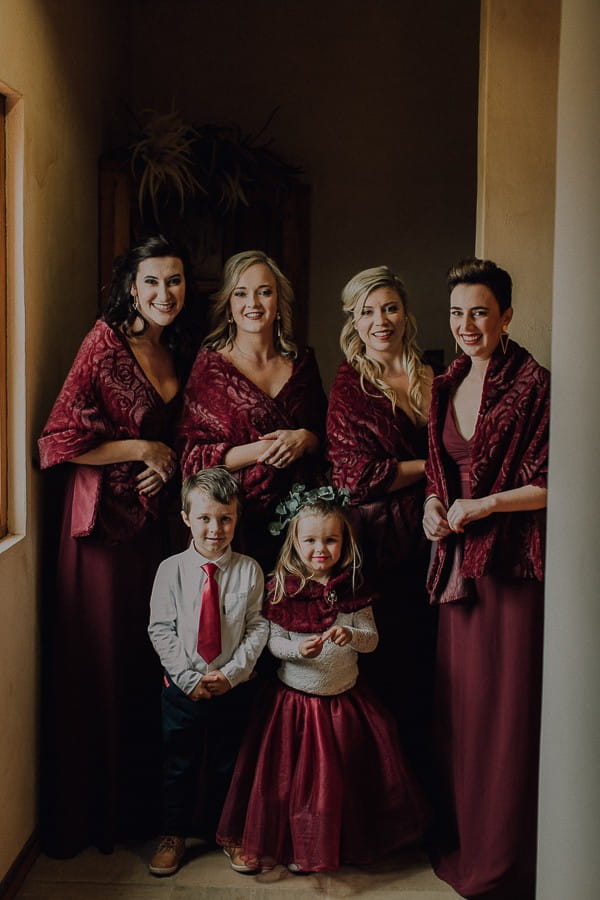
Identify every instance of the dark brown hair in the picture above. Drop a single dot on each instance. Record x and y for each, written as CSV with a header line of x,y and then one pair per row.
x,y
482,271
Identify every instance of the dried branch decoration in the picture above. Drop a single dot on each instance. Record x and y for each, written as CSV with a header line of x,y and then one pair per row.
x,y
202,166
166,158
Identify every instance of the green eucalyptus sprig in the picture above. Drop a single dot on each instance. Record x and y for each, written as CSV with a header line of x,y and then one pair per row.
x,y
299,497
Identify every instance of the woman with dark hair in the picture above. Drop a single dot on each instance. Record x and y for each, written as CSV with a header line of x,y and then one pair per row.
x,y
112,425
254,402
486,496
377,444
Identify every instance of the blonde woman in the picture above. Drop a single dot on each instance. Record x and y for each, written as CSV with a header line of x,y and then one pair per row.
x,y
254,402
377,439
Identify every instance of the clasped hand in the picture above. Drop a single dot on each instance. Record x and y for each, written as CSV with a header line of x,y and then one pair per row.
x,y
161,465
312,646
287,445
213,684
438,522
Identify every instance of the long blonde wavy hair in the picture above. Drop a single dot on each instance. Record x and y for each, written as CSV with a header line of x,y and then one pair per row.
x,y
354,296
223,331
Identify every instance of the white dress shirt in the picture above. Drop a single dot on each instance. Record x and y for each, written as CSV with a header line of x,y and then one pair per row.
x,y
175,614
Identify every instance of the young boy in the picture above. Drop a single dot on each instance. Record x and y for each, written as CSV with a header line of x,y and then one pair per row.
x,y
206,626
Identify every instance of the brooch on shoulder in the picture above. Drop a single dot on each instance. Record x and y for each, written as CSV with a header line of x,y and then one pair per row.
x,y
331,597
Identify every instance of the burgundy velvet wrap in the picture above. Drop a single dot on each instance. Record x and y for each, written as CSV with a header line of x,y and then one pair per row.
x,y
366,440
315,608
224,409
509,449
106,397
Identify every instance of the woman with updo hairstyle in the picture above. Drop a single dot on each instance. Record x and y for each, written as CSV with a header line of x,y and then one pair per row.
x,y
485,514
377,445
111,431
254,401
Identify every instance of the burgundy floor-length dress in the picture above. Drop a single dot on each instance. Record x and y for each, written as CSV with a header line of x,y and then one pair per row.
x,y
366,439
224,409
487,720
101,742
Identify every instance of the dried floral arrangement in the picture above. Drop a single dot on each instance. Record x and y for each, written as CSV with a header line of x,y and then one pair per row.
x,y
201,165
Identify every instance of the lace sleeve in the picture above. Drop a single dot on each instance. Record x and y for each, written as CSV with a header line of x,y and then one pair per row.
x,y
364,631
282,645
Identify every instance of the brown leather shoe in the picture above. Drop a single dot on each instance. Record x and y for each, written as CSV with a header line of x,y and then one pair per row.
x,y
245,865
168,855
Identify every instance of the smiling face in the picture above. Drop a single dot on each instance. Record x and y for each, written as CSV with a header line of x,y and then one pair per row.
x,y
159,290
380,323
212,523
253,301
319,542
476,321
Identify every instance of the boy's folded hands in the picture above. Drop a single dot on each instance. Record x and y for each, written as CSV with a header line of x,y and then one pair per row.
x,y
213,684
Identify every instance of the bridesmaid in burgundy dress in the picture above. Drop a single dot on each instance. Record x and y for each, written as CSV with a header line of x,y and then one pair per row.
x,y
485,511
377,444
112,425
254,402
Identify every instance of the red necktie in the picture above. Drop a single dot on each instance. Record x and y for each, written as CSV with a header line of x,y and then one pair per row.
x,y
209,626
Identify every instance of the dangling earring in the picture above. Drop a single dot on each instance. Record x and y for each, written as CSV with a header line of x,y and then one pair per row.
x,y
456,347
137,317
279,327
230,331
504,341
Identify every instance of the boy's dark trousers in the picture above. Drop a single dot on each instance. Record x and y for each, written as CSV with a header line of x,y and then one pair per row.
x,y
189,726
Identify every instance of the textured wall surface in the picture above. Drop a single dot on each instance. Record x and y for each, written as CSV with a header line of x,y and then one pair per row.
x,y
517,156
59,69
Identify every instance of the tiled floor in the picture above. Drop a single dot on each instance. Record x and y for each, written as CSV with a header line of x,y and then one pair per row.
x,y
206,876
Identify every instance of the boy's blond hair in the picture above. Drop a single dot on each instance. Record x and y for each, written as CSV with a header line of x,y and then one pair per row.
x,y
217,482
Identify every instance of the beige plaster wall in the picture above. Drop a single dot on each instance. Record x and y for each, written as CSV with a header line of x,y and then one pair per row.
x,y
568,861
377,103
60,70
517,156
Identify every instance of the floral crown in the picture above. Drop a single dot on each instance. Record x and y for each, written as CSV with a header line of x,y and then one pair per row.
x,y
299,497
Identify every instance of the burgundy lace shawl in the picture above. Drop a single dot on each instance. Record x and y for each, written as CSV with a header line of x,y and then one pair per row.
x,y
224,409
316,607
509,449
106,396
366,439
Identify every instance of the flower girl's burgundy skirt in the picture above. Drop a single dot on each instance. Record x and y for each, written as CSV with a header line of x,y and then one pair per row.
x,y
321,781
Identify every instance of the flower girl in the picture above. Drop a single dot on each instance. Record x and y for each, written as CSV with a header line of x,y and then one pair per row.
x,y
321,779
